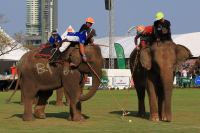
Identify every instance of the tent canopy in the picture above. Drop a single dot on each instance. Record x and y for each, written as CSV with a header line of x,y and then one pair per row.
x,y
15,54
190,40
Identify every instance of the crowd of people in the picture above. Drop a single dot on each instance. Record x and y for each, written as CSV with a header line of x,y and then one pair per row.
x,y
186,78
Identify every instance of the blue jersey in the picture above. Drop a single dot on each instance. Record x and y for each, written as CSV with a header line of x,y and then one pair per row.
x,y
81,35
52,40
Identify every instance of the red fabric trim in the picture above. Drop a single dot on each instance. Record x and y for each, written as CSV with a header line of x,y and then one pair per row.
x,y
44,55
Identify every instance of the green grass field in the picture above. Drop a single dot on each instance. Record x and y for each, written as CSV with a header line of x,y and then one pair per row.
x,y
103,114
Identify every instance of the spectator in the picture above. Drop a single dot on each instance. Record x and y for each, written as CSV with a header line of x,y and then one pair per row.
x,y
178,77
55,37
184,75
193,78
5,73
8,72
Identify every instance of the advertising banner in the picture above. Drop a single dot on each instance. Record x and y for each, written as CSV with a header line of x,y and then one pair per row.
x,y
88,81
121,81
120,56
198,80
104,81
186,80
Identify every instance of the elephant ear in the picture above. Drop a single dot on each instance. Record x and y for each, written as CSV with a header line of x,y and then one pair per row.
x,y
182,54
145,58
73,55
76,57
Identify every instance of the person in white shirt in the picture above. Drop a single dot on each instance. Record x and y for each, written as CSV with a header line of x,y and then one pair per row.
x,y
184,73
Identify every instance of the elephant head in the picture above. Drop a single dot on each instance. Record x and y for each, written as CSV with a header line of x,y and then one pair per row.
x,y
162,59
93,66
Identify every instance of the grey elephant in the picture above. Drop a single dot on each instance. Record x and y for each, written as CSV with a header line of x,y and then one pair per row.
x,y
154,71
59,92
37,77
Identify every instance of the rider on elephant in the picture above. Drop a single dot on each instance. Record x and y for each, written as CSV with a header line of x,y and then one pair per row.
x,y
55,37
86,26
162,31
74,37
145,34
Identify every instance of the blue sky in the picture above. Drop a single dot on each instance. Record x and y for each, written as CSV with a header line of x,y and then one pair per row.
x,y
183,15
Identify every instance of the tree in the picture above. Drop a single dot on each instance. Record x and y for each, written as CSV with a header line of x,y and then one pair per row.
x,y
8,44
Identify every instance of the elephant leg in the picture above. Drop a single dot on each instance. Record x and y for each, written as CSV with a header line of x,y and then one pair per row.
x,y
75,104
141,106
161,105
75,111
40,106
59,95
151,89
67,99
35,100
28,101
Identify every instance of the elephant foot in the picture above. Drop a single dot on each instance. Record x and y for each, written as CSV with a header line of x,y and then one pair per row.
x,y
39,112
78,118
154,118
67,104
141,114
59,103
26,118
164,118
69,118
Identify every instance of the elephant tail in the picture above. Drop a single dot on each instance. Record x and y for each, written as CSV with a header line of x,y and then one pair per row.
x,y
12,80
8,100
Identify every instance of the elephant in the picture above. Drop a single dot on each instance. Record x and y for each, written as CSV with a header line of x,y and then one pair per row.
x,y
59,92
153,69
36,76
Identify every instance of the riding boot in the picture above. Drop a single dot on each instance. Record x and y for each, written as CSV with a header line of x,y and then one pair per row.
x,y
55,54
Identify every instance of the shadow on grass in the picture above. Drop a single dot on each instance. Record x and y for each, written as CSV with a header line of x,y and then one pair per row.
x,y
50,103
132,113
61,115
15,102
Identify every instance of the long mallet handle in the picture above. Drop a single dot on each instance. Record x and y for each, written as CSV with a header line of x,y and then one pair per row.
x,y
102,45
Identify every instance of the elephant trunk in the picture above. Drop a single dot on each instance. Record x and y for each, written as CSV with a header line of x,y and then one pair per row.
x,y
167,80
94,88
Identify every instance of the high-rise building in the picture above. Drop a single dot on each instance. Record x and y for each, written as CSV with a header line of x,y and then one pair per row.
x,y
39,14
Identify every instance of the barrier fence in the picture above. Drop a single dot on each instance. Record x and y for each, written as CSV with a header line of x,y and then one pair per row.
x,y
112,82
187,82
123,82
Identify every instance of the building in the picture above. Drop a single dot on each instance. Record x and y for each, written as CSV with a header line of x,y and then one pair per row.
x,y
37,29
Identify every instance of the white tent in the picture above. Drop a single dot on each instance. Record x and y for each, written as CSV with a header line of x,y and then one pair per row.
x,y
15,54
190,40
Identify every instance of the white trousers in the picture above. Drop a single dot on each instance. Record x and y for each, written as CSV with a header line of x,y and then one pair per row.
x,y
64,46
